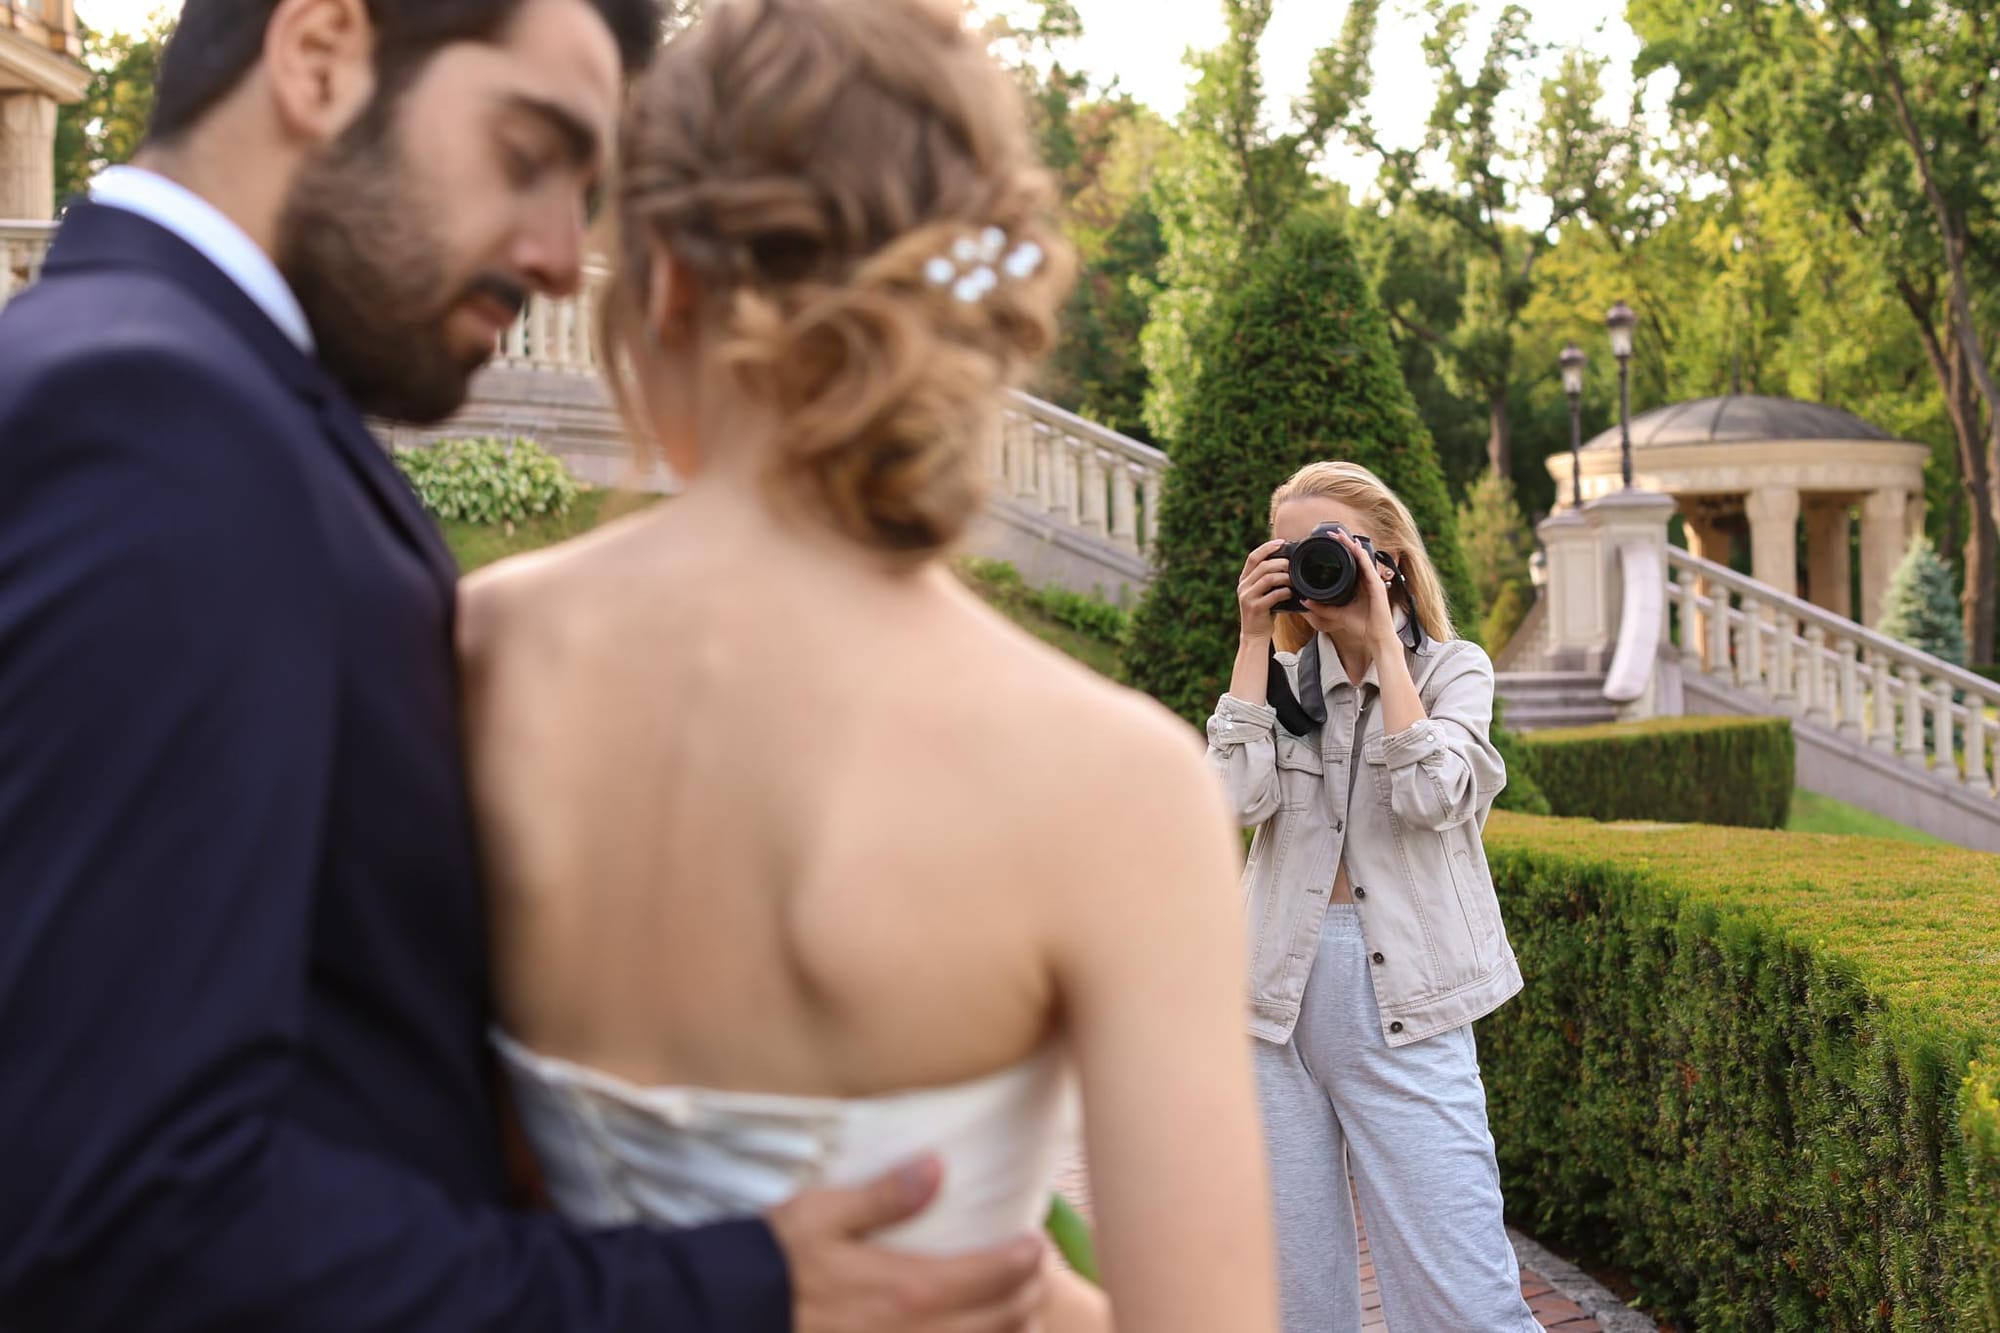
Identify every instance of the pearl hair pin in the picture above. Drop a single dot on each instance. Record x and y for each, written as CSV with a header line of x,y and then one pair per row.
x,y
970,269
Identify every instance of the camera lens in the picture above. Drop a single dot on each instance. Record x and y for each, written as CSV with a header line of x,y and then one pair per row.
x,y
1323,571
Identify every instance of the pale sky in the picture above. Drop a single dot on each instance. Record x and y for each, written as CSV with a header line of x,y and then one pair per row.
x,y
1141,42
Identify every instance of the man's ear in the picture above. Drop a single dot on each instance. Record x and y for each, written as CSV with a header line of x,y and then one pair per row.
x,y
319,61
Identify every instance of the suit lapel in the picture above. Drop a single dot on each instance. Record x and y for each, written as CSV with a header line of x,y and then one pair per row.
x,y
393,494
93,236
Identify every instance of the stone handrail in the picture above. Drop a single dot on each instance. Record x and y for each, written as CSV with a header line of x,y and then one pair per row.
x,y
1823,668
1054,462
1641,623
22,246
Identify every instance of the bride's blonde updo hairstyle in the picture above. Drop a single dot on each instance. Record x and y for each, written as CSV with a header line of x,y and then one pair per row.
x,y
852,184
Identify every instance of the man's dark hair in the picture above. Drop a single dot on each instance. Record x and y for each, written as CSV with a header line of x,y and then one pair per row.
x,y
217,42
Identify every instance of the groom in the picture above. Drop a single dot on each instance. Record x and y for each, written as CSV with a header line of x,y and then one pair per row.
x,y
243,987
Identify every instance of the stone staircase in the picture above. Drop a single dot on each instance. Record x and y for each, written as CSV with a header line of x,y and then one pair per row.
x,y
1539,700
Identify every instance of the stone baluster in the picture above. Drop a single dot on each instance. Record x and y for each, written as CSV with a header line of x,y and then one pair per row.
x,y
1944,748
1851,719
1913,716
1045,468
1818,700
1073,451
1684,597
1882,735
1124,505
1152,486
1021,459
541,320
1095,513
1784,682
1718,633
562,334
1755,626
1975,744
515,348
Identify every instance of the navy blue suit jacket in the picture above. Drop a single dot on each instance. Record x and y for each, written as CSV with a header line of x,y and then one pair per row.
x,y
243,983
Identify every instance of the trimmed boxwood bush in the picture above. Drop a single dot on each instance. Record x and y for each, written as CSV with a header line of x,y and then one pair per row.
x,y
1760,1072
1679,770
489,480
1296,366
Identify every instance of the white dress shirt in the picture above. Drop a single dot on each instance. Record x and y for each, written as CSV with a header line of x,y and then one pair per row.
x,y
206,228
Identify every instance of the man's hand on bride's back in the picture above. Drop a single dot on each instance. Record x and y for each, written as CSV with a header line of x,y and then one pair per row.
x,y
841,1283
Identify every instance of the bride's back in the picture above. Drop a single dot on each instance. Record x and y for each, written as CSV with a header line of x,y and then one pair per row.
x,y
763,818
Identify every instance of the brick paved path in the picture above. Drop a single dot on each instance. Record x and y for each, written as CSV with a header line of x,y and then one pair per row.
x,y
1550,1307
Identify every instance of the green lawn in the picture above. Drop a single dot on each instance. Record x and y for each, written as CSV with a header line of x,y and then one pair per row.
x,y
476,544
1812,813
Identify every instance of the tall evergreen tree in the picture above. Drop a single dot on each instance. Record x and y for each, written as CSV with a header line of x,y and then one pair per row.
x,y
1921,607
1295,365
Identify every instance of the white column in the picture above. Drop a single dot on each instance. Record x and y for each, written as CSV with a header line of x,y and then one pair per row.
x,y
1882,733
1828,568
1774,537
27,155
1883,541
1576,632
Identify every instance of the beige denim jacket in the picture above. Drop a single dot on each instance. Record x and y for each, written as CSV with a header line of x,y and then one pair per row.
x,y
1406,810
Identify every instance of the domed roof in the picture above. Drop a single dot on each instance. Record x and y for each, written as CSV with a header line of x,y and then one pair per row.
x,y
1741,419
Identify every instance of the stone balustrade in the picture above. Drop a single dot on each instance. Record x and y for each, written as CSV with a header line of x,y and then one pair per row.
x,y
1054,463
22,245
1814,665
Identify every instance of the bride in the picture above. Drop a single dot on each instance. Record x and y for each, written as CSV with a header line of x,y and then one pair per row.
x,y
803,860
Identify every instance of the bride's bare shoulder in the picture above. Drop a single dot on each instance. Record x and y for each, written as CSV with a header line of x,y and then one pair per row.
x,y
539,598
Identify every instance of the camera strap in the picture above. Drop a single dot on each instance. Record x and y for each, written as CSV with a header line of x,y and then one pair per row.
x,y
1296,716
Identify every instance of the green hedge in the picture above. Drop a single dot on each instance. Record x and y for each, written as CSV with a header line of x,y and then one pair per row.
x,y
489,480
1680,770
1758,1071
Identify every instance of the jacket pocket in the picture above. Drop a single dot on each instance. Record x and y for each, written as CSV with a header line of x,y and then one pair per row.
x,y
1477,904
1301,772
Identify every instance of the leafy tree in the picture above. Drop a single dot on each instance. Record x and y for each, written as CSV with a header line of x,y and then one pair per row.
x,y
1480,174
1921,605
106,126
1296,365
1223,192
1883,115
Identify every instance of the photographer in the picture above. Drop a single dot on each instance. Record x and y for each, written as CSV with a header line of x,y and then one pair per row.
x,y
1360,754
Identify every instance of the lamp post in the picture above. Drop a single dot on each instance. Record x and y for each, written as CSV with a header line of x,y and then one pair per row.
x,y
1621,321
1573,362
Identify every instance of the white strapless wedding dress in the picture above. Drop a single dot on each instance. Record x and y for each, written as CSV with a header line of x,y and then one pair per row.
x,y
613,1153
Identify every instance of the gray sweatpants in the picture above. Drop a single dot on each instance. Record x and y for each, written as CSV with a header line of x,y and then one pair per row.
x,y
1411,1122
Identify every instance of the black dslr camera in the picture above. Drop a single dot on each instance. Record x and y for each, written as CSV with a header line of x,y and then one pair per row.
x,y
1324,570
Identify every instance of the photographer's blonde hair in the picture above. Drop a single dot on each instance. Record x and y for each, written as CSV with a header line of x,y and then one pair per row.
x,y
1387,523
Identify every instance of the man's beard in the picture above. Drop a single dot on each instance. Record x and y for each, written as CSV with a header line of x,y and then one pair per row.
x,y
375,281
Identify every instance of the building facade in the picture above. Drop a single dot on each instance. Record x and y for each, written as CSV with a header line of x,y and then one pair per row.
x,y
41,68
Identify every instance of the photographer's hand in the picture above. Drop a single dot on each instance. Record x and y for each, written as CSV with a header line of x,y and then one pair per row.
x,y
1266,581
1402,705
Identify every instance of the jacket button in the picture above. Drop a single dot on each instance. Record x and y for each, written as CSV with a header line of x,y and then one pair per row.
x,y
1395,1027
1339,826
1359,893
1378,957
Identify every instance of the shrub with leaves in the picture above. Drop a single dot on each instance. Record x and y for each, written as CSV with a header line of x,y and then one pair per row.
x,y
1681,770
1296,366
1921,606
489,480
1757,1071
